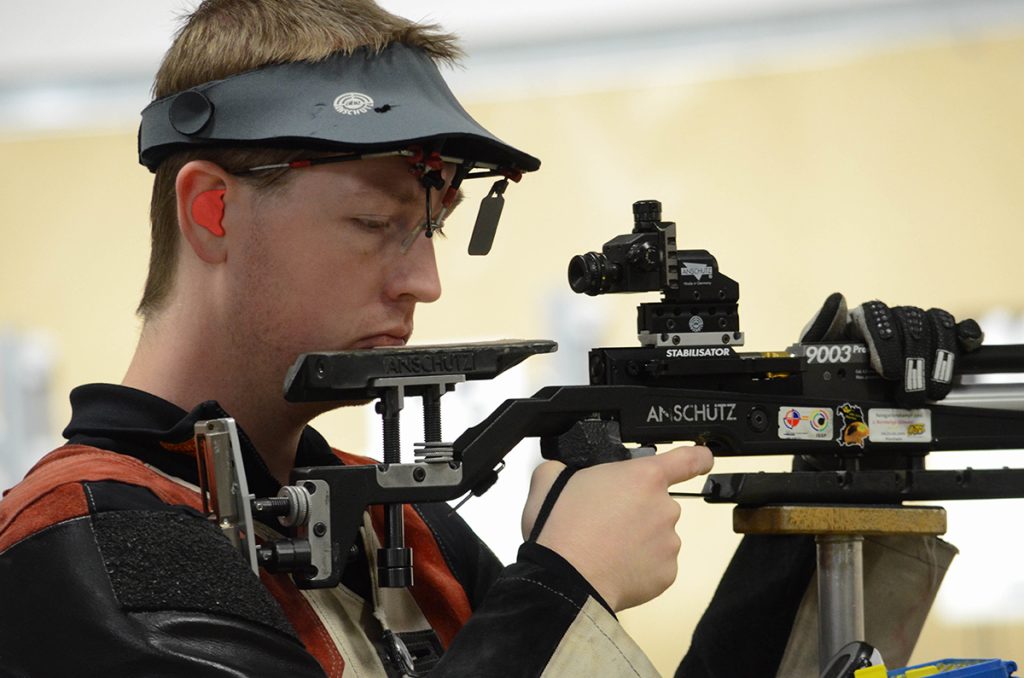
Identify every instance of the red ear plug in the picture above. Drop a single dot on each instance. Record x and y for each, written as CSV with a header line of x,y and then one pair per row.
x,y
208,211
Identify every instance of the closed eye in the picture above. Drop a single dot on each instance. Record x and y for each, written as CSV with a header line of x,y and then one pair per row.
x,y
372,224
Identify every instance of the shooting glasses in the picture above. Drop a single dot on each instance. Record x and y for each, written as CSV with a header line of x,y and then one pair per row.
x,y
363,104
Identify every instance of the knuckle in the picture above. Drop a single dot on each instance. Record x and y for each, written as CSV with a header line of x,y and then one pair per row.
x,y
666,575
675,545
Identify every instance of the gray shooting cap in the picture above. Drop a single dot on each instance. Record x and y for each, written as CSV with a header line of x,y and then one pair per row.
x,y
361,102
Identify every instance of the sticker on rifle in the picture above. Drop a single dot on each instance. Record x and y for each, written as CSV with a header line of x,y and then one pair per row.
x,y
805,423
900,426
853,430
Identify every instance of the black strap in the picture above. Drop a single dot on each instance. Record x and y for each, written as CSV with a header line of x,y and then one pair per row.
x,y
549,501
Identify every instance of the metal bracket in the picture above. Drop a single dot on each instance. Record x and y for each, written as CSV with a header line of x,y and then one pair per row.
x,y
222,484
317,529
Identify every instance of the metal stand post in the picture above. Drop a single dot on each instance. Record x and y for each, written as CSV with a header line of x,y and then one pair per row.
x,y
840,593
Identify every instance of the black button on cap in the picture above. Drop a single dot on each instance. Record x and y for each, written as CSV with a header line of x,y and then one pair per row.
x,y
190,111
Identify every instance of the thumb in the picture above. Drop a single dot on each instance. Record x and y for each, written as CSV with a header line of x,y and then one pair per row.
x,y
683,463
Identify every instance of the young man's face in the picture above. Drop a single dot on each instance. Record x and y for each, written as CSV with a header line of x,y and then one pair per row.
x,y
321,267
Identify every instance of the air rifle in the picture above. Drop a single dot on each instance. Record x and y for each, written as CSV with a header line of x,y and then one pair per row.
x,y
685,382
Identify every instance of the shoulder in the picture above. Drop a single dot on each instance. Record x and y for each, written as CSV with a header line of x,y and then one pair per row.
x,y
77,480
109,546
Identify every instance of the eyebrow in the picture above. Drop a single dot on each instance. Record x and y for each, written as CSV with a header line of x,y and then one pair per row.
x,y
406,194
412,196
403,195
375,191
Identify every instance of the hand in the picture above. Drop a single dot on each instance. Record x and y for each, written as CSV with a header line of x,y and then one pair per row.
x,y
915,348
615,522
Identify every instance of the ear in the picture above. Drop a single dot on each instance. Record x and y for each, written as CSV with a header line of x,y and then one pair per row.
x,y
203,192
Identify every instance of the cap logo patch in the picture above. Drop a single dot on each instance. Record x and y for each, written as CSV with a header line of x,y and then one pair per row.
x,y
352,103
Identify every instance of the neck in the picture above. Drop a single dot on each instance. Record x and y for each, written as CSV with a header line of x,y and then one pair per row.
x,y
169,363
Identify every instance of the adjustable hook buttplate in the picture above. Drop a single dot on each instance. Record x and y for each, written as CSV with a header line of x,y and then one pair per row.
x,y
227,502
222,484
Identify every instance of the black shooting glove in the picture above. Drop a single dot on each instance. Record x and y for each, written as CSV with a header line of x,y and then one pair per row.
x,y
916,349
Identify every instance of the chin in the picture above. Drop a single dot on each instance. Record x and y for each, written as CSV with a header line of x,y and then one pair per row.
x,y
385,340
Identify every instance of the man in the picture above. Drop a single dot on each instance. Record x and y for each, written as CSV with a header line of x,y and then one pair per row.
x,y
283,222
304,154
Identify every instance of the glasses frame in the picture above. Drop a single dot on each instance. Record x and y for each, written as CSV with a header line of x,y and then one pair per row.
x,y
427,168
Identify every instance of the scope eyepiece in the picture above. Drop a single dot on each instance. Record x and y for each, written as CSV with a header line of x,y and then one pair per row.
x,y
592,273
646,211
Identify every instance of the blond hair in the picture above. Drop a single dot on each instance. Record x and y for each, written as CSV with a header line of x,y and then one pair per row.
x,y
225,37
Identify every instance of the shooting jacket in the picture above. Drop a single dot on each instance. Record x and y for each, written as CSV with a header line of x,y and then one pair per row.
x,y
108,568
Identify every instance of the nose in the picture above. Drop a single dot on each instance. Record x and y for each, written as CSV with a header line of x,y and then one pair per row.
x,y
414,274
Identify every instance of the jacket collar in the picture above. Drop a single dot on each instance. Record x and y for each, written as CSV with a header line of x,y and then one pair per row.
x,y
159,433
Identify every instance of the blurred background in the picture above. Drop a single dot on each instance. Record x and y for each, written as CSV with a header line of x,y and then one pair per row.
x,y
874,147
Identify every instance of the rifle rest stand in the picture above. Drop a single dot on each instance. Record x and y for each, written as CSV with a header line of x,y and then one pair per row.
x,y
839,532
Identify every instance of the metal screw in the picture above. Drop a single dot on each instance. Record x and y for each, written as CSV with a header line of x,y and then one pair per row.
x,y
758,420
419,474
319,529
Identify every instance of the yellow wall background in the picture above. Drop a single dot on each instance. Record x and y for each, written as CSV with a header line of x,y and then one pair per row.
x,y
896,174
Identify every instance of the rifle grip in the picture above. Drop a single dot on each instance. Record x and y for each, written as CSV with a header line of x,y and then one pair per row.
x,y
587,443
